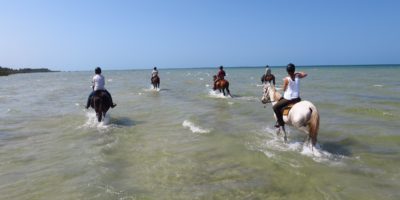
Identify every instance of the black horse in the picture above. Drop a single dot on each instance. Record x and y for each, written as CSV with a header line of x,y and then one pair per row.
x,y
155,81
100,102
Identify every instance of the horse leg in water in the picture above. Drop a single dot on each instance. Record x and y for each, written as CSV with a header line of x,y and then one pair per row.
x,y
229,92
282,129
99,116
227,89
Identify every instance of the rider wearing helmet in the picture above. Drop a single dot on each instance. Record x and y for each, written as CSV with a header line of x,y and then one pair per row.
x,y
154,73
291,88
98,84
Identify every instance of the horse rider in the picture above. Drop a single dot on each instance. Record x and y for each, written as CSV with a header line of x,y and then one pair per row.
x,y
154,73
98,84
291,88
220,76
268,76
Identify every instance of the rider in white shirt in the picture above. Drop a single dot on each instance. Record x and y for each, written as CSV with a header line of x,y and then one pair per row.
x,y
154,73
98,84
291,88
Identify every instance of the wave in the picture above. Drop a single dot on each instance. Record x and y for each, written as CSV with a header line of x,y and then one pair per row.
x,y
249,98
193,127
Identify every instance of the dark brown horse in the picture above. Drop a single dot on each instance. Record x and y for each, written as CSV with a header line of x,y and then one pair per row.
x,y
221,85
100,102
155,81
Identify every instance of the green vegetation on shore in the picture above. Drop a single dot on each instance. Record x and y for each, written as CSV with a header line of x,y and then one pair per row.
x,y
4,71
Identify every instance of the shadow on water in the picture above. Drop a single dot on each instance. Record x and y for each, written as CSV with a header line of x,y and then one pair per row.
x,y
340,148
236,96
125,121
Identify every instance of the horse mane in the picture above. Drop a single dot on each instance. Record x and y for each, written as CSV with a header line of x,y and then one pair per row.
x,y
277,95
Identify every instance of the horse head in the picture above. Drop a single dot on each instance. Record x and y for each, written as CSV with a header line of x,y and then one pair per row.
x,y
269,94
214,77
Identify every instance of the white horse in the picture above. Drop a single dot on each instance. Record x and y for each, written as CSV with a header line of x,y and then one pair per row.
x,y
303,115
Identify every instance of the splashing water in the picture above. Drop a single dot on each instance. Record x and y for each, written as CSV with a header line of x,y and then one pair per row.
x,y
274,143
92,122
151,89
217,94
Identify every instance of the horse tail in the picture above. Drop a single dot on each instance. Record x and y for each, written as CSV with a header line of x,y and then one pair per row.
x,y
313,125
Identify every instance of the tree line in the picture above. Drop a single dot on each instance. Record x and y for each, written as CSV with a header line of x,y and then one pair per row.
x,y
4,71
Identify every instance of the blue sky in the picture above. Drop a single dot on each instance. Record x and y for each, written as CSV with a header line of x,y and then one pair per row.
x,y
79,35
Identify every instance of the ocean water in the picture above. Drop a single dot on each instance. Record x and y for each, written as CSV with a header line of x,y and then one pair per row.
x,y
188,142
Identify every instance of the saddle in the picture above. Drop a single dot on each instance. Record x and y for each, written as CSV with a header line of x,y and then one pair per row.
x,y
100,93
286,110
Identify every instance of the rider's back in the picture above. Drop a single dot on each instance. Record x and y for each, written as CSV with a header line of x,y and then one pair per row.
x,y
98,82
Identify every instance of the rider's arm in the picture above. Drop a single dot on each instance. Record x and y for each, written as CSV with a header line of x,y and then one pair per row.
x,y
301,74
285,84
93,83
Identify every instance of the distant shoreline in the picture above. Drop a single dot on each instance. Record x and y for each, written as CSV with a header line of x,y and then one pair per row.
x,y
4,71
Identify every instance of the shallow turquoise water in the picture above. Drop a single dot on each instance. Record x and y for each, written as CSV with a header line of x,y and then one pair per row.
x,y
185,142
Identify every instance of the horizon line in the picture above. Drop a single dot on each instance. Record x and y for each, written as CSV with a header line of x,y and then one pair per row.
x,y
272,66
